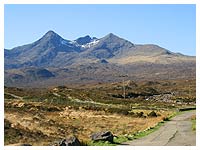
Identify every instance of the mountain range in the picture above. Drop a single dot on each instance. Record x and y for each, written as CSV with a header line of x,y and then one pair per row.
x,y
53,60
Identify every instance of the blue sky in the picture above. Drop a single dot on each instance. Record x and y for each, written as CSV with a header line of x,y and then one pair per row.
x,y
170,26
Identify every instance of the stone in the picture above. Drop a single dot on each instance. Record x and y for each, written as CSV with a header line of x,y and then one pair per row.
x,y
152,114
72,141
103,136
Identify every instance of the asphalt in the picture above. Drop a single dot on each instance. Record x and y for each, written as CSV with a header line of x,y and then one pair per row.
x,y
176,132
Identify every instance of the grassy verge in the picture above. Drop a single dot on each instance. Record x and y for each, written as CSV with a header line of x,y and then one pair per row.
x,y
194,123
149,131
101,143
124,138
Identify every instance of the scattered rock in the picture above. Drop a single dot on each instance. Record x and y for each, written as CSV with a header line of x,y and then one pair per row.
x,y
103,136
152,114
72,141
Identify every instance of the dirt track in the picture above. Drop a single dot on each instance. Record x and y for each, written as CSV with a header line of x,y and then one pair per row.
x,y
177,132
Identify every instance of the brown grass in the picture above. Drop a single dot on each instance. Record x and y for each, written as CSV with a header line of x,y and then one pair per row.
x,y
82,123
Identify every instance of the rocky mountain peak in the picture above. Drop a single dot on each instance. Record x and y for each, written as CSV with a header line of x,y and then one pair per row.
x,y
84,40
111,35
50,33
51,36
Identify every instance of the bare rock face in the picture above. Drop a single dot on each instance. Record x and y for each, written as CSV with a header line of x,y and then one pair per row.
x,y
72,141
103,136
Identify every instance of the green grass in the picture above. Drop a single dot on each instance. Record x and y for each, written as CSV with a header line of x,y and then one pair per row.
x,y
101,143
122,139
194,124
172,115
149,131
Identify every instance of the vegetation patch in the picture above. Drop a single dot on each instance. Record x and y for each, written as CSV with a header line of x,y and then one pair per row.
x,y
193,122
148,130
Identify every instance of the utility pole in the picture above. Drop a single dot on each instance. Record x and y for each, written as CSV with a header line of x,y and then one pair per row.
x,y
124,88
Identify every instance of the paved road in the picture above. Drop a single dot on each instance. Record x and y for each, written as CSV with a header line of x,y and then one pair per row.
x,y
177,132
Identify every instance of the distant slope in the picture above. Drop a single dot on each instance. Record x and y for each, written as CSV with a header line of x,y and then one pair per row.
x,y
150,53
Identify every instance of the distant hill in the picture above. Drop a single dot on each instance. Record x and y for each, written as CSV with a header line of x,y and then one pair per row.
x,y
55,60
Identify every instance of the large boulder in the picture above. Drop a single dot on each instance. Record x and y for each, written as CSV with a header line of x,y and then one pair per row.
x,y
102,136
72,141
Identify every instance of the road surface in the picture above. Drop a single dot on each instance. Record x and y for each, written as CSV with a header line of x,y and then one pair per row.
x,y
177,132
